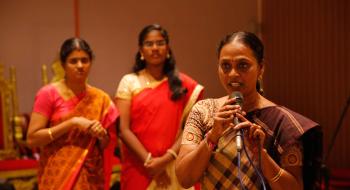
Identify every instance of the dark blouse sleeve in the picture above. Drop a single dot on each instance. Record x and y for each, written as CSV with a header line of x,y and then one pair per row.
x,y
292,155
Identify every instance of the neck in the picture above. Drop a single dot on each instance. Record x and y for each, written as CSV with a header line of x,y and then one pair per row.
x,y
77,88
155,71
252,101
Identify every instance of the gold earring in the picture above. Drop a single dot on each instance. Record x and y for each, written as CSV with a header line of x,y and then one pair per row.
x,y
260,85
142,58
168,56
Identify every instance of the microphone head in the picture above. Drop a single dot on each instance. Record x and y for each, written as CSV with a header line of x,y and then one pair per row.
x,y
238,96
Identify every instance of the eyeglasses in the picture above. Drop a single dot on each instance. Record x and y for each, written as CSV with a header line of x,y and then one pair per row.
x,y
158,43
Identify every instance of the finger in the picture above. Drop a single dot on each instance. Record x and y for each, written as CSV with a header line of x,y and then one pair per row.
x,y
230,101
243,125
260,135
252,130
241,117
225,114
229,107
94,125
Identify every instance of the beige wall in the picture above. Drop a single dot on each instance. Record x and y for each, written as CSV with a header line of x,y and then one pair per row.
x,y
32,31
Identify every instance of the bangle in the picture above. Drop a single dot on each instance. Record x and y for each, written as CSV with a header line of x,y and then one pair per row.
x,y
50,134
277,176
210,144
172,152
149,157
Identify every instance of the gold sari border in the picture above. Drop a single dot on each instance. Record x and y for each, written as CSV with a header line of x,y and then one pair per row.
x,y
18,173
152,85
192,100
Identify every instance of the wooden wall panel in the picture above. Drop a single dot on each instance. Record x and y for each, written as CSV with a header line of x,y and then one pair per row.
x,y
308,64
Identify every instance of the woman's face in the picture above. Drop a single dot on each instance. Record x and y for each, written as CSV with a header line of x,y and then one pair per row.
x,y
154,48
238,68
77,66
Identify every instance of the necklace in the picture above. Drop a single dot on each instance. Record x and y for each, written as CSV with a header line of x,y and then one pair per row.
x,y
149,79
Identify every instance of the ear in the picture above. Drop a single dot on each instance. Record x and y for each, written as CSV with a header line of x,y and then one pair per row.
x,y
140,50
261,69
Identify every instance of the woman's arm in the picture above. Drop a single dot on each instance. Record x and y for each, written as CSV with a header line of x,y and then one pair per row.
x,y
194,158
128,137
278,177
39,135
191,163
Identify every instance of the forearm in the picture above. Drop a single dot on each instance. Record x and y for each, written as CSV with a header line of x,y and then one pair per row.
x,y
277,177
191,165
176,145
133,143
45,136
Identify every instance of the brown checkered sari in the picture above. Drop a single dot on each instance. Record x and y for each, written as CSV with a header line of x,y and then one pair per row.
x,y
283,130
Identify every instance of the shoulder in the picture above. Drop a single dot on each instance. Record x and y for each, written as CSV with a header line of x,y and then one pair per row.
x,y
129,78
187,79
99,92
284,124
206,107
48,87
300,122
190,83
47,90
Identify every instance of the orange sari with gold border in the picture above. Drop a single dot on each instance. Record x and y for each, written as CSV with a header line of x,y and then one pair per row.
x,y
74,160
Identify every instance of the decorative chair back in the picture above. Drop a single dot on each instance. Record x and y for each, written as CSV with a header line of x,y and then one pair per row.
x,y
8,113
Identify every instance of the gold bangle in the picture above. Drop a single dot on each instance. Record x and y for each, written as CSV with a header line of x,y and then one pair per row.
x,y
149,157
50,134
172,152
277,176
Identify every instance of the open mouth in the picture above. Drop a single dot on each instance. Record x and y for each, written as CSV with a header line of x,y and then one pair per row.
x,y
235,84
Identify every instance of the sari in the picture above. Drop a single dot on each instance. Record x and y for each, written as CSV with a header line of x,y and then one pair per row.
x,y
285,131
155,120
75,160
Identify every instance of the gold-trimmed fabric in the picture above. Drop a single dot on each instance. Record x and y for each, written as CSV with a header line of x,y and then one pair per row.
x,y
132,84
192,100
155,121
73,160
174,183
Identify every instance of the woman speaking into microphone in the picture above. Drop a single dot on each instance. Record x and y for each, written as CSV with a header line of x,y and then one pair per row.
x,y
271,133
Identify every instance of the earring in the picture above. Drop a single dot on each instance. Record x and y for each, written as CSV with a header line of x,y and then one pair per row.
x,y
168,56
142,58
259,85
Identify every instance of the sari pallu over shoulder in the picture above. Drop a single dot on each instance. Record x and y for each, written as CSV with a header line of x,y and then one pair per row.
x,y
73,160
156,119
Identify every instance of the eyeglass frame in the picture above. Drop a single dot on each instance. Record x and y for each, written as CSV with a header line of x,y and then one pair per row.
x,y
158,43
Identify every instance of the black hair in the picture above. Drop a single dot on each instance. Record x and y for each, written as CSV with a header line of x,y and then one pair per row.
x,y
72,44
253,42
169,69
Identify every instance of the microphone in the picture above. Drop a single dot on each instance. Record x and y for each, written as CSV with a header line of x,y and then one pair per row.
x,y
239,101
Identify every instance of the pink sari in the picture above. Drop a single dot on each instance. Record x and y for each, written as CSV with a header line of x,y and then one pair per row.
x,y
155,120
74,161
